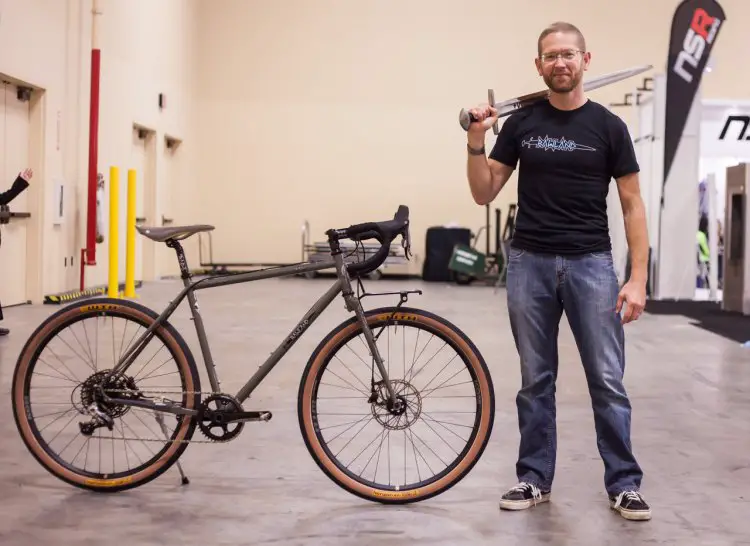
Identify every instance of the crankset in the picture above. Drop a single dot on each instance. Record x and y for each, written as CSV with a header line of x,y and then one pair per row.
x,y
221,417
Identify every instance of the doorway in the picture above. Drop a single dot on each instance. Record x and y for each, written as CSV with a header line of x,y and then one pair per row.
x,y
143,160
171,173
15,124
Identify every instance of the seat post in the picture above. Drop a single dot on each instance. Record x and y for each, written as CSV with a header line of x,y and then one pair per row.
x,y
184,271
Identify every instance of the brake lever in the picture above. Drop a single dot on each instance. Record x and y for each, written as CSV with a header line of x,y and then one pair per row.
x,y
406,242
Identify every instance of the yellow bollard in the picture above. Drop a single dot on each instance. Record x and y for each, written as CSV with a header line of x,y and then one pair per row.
x,y
130,238
114,227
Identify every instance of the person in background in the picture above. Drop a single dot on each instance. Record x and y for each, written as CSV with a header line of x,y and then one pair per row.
x,y
701,238
19,185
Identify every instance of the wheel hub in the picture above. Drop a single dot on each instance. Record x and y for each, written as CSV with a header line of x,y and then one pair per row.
x,y
400,413
88,398
91,392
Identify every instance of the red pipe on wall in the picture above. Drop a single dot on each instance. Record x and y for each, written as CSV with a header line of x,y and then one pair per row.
x,y
90,249
93,157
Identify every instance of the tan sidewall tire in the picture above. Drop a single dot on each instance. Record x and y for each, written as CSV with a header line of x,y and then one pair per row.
x,y
459,471
183,358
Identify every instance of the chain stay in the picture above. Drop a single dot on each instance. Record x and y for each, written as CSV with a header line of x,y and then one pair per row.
x,y
164,440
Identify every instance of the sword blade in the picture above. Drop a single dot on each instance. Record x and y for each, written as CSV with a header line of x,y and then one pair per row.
x,y
507,107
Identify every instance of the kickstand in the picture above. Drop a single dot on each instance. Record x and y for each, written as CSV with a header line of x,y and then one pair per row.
x,y
160,420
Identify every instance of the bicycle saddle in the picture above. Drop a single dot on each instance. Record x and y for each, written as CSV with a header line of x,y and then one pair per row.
x,y
162,234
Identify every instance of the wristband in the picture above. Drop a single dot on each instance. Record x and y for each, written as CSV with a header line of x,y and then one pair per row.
x,y
474,151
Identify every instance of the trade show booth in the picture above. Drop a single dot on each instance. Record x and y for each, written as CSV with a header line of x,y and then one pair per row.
x,y
736,293
715,138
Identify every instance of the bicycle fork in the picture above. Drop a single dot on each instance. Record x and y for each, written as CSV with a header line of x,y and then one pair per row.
x,y
353,305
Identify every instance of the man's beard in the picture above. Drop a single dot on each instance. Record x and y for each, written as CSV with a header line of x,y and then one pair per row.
x,y
565,86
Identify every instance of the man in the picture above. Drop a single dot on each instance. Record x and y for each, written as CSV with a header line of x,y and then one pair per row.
x,y
20,184
568,149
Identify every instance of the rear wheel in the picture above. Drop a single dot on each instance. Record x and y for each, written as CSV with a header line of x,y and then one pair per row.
x,y
421,446
61,415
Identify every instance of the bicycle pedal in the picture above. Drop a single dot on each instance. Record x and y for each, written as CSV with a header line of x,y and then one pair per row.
x,y
265,415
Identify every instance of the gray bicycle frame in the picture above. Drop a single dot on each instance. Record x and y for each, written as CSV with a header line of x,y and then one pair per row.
x,y
341,285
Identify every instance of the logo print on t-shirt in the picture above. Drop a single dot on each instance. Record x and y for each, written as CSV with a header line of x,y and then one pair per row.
x,y
555,144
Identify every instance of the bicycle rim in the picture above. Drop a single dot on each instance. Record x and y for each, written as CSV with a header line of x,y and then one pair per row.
x,y
416,423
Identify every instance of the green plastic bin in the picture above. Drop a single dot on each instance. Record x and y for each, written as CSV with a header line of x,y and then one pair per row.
x,y
468,261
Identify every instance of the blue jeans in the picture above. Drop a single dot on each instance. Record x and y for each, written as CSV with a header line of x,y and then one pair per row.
x,y
540,287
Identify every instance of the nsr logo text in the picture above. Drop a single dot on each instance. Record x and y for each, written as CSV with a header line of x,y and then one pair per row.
x,y
744,121
701,33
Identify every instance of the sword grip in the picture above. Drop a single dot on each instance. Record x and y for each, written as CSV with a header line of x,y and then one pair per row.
x,y
466,118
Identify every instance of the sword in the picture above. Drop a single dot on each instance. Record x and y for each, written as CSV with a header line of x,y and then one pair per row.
x,y
510,106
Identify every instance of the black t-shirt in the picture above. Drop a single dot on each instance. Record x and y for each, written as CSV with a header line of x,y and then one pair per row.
x,y
566,160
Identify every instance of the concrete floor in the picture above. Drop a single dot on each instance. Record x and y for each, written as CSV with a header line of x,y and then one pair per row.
x,y
263,488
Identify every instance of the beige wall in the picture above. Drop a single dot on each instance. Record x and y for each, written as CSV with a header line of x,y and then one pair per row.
x,y
339,111
330,111
147,48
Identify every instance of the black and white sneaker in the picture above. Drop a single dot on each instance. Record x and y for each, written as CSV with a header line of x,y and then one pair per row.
x,y
631,505
522,496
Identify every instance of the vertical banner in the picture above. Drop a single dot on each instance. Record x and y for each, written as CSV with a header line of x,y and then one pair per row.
x,y
695,26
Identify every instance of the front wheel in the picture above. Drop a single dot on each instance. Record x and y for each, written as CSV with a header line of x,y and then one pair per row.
x,y
418,447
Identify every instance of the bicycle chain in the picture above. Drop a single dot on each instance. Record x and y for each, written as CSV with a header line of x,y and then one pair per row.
x,y
165,440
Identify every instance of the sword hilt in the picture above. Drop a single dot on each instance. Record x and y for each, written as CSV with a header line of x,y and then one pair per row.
x,y
466,118
491,102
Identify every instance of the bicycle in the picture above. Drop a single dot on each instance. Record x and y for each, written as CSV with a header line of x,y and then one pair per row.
x,y
103,398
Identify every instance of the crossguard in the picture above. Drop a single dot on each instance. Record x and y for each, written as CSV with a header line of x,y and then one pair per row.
x,y
491,99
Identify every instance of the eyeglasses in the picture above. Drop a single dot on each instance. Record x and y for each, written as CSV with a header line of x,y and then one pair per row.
x,y
567,55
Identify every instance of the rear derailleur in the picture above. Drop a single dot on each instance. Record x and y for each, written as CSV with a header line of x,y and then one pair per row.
x,y
91,400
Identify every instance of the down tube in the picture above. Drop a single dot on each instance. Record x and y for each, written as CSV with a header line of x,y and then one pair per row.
x,y
315,311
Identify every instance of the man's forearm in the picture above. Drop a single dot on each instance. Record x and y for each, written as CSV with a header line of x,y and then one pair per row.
x,y
636,233
478,171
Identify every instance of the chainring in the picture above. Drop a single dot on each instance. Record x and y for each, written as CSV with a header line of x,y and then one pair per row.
x,y
211,415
